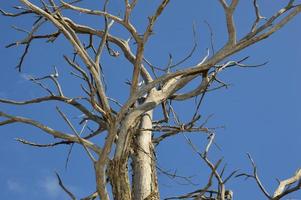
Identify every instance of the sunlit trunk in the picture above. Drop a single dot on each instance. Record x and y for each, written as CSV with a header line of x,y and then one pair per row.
x,y
143,163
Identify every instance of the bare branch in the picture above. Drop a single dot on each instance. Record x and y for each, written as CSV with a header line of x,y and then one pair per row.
x,y
211,37
70,34
126,24
229,10
36,81
34,144
27,42
153,19
283,190
66,100
120,127
53,77
48,130
140,46
174,175
258,16
71,147
91,196
81,140
269,24
256,177
70,194
119,42
15,14
103,42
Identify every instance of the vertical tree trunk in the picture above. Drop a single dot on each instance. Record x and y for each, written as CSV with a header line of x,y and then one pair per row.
x,y
118,173
143,163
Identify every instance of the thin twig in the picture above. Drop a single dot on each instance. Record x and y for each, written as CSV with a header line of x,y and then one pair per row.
x,y
76,133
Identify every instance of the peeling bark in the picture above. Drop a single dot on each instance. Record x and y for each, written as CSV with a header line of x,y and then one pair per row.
x,y
119,178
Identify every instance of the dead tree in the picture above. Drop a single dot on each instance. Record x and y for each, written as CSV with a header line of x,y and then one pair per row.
x,y
129,130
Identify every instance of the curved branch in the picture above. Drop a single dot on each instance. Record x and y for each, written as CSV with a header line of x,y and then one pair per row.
x,y
124,23
70,34
197,91
66,100
281,192
50,131
34,144
122,44
229,10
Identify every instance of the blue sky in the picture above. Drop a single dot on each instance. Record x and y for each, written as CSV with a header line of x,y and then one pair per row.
x,y
260,110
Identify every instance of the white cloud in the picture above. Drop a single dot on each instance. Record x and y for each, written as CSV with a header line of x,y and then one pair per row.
x,y
15,186
51,187
26,76
47,187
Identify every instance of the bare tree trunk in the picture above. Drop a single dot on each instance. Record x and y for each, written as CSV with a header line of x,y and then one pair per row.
x,y
118,173
144,164
129,129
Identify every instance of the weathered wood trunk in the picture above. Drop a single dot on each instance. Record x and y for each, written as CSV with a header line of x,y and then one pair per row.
x,y
119,178
143,162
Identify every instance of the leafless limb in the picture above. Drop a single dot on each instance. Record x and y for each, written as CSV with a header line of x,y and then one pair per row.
x,y
170,66
128,9
174,175
53,77
256,177
71,147
91,45
70,194
208,79
258,16
204,156
70,34
269,23
15,14
115,101
200,89
284,186
42,145
73,102
104,38
124,22
200,193
229,10
121,125
166,112
46,129
230,176
30,37
81,140
240,63
91,196
173,130
41,85
153,19
211,37
140,45
80,70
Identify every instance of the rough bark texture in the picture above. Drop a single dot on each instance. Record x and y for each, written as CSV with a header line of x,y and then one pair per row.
x,y
119,178
129,128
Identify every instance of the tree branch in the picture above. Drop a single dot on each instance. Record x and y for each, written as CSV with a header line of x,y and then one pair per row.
x,y
48,130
